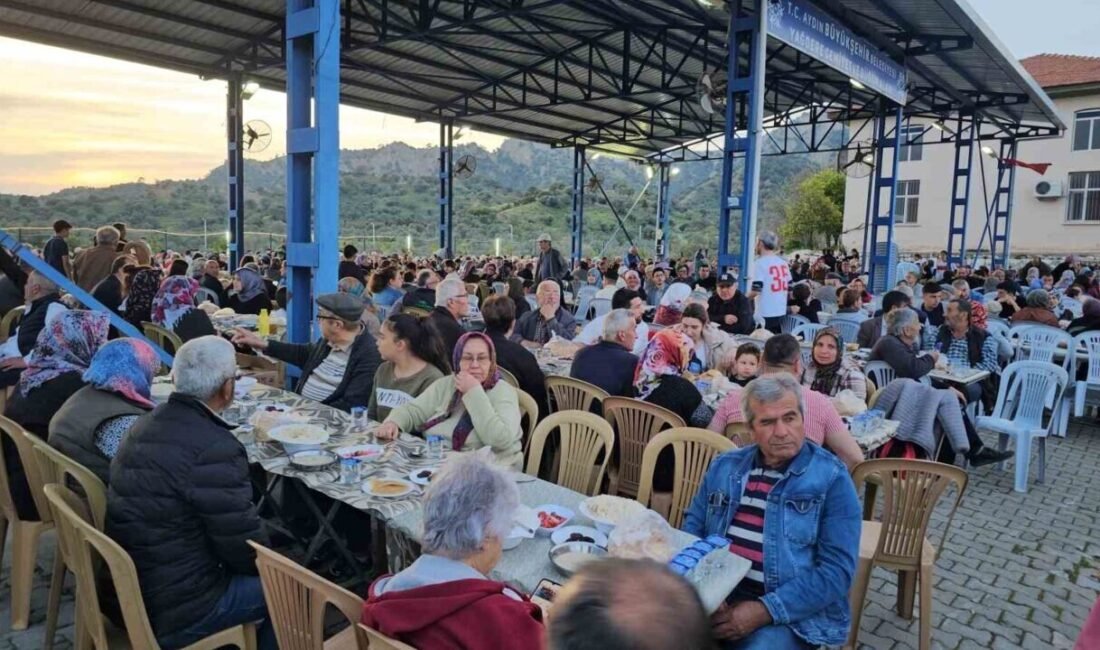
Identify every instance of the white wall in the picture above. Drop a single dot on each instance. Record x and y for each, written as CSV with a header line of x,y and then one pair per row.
x,y
1037,226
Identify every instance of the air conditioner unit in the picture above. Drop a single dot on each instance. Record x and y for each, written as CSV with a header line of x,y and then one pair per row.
x,y
1049,189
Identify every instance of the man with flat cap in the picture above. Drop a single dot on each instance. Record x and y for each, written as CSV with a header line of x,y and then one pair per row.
x,y
337,370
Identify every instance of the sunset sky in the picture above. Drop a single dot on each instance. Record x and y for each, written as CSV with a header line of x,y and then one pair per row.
x,y
68,118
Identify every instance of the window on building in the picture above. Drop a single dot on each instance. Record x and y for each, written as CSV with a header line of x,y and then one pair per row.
x,y
1086,130
1084,197
906,202
912,149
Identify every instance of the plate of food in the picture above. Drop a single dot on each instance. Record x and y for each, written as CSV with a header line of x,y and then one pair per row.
x,y
588,534
311,460
299,433
423,476
387,487
360,452
551,517
568,558
608,511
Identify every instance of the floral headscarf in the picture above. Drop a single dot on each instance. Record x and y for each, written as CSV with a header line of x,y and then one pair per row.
x,y
252,284
668,353
139,304
465,425
66,344
125,366
175,298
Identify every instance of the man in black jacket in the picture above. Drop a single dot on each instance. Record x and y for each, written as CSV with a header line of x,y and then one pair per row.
x,y
109,290
499,313
337,370
180,503
730,309
212,282
551,265
872,329
610,364
452,303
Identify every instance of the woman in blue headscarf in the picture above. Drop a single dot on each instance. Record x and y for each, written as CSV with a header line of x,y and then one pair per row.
x,y
251,294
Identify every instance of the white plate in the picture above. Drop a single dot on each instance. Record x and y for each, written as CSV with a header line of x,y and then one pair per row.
x,y
243,386
561,535
423,481
362,452
303,434
368,489
561,511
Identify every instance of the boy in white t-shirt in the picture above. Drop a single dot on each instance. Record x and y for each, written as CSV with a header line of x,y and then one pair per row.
x,y
770,278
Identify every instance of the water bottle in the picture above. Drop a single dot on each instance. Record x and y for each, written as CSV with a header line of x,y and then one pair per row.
x,y
435,448
349,471
358,419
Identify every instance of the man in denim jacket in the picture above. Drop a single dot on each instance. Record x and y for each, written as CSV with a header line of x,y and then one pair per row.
x,y
788,506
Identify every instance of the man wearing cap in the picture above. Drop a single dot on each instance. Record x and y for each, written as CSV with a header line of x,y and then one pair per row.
x,y
551,265
729,308
337,370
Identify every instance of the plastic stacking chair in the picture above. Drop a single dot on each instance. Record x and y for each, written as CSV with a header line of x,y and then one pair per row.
x,y
25,534
296,602
738,433
203,294
584,302
529,409
1026,387
532,302
509,377
370,639
807,331
1088,344
899,542
635,423
573,394
10,322
583,436
601,307
879,372
693,449
1042,343
848,329
56,467
165,338
83,546
791,321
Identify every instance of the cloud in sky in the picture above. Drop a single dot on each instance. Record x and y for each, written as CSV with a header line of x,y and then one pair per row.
x,y
71,118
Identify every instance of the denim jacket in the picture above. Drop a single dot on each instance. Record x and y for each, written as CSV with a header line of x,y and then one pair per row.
x,y
811,536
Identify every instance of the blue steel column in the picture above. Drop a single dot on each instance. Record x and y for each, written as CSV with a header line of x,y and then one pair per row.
x,y
234,126
743,88
313,157
1002,205
577,223
446,189
664,208
960,190
881,221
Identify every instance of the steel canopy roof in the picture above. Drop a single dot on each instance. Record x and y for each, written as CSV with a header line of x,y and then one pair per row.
x,y
617,75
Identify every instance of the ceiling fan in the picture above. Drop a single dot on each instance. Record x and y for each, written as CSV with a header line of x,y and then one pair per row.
x,y
256,136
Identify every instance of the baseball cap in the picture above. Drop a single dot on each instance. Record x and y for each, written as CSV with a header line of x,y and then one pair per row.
x,y
727,278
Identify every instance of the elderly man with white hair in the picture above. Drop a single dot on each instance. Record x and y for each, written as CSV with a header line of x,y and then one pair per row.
x,y
180,503
452,304
93,264
537,327
445,599
609,363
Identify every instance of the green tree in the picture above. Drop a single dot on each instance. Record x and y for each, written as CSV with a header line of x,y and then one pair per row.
x,y
815,212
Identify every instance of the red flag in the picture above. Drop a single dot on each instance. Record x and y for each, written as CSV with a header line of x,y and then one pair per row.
x,y
1035,167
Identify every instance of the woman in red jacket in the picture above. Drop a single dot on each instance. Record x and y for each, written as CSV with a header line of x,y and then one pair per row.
x,y
443,600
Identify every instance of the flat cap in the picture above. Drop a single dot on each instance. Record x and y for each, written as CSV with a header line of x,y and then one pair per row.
x,y
543,237
341,305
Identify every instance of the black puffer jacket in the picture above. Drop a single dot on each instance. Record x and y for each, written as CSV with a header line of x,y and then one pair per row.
x,y
180,503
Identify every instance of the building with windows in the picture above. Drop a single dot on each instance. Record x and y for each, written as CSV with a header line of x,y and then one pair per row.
x,y
1054,213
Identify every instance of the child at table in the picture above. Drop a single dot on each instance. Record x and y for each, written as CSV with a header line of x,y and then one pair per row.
x,y
745,364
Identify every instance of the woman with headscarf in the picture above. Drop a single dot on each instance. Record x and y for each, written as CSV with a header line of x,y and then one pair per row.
x,y
1065,281
62,353
829,371
470,409
90,426
1089,320
671,308
174,309
1037,310
139,300
659,377
251,296
1033,279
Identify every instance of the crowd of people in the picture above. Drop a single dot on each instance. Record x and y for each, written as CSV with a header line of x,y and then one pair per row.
x,y
432,345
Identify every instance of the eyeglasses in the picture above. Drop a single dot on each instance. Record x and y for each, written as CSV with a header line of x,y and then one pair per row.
x,y
478,360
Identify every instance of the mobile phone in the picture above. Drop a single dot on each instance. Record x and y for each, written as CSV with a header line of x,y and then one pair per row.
x,y
545,592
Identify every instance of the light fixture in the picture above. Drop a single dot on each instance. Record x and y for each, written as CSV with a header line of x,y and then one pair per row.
x,y
675,171
856,84
409,243
868,159
648,173
988,150
706,3
595,157
228,237
248,89
943,128
498,246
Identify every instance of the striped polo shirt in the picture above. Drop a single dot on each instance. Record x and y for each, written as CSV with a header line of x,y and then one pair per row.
x,y
746,530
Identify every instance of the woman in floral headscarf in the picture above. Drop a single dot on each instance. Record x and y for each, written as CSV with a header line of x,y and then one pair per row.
x,y
470,409
91,424
139,301
62,353
174,309
659,377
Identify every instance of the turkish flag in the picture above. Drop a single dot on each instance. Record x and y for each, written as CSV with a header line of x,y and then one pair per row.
x,y
1035,167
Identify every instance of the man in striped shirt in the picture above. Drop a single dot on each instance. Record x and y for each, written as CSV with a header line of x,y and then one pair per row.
x,y
789,507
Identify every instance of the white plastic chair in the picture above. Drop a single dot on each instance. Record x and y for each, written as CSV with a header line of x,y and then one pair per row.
x,y
531,301
1040,343
1018,414
500,289
202,294
807,331
601,307
584,302
880,372
759,320
1087,343
848,329
791,321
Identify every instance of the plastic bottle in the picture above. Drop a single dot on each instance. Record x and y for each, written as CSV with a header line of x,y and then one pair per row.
x,y
263,323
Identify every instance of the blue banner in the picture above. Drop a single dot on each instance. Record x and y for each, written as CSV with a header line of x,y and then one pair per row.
x,y
810,30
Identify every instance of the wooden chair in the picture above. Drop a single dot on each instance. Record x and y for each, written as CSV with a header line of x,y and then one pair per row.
x,y
509,377
370,639
635,423
296,602
583,436
165,338
528,408
694,450
83,547
56,467
570,394
10,322
738,433
25,534
911,489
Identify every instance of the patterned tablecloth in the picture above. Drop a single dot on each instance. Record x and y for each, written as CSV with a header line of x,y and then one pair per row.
x,y
553,366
